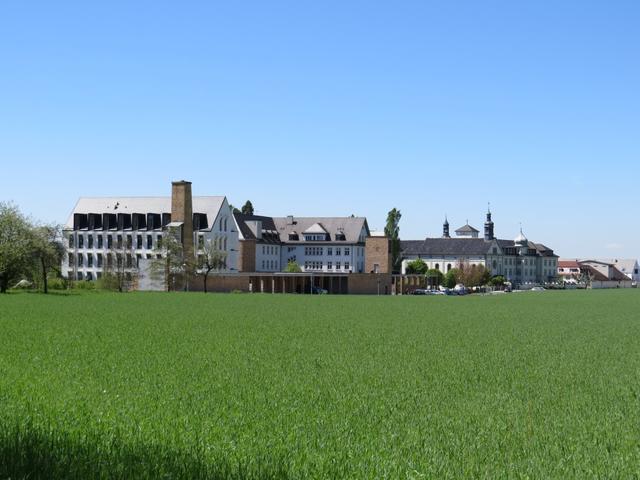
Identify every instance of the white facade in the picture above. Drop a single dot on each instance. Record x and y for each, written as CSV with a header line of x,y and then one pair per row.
x,y
87,250
329,257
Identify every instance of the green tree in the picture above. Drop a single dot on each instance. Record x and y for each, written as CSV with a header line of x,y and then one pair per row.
x,y
16,245
417,266
247,208
451,278
47,251
392,230
293,267
434,277
497,281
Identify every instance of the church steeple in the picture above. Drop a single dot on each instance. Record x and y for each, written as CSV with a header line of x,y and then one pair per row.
x,y
445,228
488,226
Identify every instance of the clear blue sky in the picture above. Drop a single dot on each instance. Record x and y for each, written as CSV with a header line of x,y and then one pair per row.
x,y
333,108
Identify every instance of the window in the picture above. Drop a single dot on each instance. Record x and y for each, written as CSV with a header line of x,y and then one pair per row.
x,y
346,251
90,260
70,259
109,241
90,241
138,241
346,265
338,251
89,276
71,241
437,267
337,265
119,241
329,265
129,241
80,241
100,240
79,276
225,243
200,242
329,251
129,260
159,241
99,259
80,258
448,267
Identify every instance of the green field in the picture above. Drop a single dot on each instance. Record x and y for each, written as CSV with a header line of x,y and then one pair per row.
x,y
530,385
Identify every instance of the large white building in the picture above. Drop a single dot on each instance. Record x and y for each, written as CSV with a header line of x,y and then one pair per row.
x,y
316,244
520,261
100,227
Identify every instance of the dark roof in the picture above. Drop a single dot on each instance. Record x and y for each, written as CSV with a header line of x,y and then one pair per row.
x,y
350,227
269,233
467,229
446,246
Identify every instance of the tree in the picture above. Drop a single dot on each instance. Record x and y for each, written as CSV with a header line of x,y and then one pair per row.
x,y
417,266
16,243
120,265
293,267
234,209
247,208
171,263
472,275
497,281
434,277
210,258
392,230
47,250
451,278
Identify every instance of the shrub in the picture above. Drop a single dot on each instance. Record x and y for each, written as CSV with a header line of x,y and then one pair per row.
x,y
417,267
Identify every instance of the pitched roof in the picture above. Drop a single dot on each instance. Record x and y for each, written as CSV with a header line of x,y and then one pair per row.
x,y
315,228
446,246
349,226
625,265
269,233
207,205
467,229
568,264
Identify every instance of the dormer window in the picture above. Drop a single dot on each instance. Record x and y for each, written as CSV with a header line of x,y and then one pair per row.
x,y
315,238
293,236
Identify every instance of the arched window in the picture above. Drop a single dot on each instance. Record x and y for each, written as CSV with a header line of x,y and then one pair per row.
x,y
437,266
225,243
225,223
448,267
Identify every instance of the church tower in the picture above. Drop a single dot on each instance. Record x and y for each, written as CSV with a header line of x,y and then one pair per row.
x,y
445,228
488,227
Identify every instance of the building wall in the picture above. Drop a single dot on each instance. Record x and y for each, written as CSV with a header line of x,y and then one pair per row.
x,y
322,261
247,256
268,258
378,255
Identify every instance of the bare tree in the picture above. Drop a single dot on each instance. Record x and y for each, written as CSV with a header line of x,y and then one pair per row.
x,y
210,258
171,265
120,264
47,250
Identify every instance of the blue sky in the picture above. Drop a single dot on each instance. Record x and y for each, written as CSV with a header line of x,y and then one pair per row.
x,y
334,108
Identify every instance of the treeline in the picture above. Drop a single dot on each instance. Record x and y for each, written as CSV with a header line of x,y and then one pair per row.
x,y
464,273
30,252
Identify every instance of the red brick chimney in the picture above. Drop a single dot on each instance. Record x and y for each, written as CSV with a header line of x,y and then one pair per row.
x,y
182,211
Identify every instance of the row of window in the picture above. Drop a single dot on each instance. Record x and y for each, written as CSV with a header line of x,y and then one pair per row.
x,y
317,251
312,265
99,241
269,265
269,250
220,243
98,260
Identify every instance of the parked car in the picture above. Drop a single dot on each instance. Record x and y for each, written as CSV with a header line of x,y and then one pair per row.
x,y
318,291
421,291
538,289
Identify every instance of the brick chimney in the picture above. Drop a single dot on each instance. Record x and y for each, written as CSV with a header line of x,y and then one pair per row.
x,y
182,211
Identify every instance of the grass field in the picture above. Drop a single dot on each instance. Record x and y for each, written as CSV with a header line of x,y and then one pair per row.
x,y
531,385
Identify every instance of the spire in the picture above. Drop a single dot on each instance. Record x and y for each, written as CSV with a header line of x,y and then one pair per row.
x,y
445,227
488,225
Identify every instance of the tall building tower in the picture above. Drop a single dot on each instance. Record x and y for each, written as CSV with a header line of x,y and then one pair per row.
x,y
488,227
445,228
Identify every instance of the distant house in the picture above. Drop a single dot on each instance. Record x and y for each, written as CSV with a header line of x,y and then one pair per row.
x,y
593,274
628,266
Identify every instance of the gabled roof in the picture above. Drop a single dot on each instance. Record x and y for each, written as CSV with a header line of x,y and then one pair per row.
x,y
207,205
349,226
467,229
269,233
625,265
446,246
316,228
